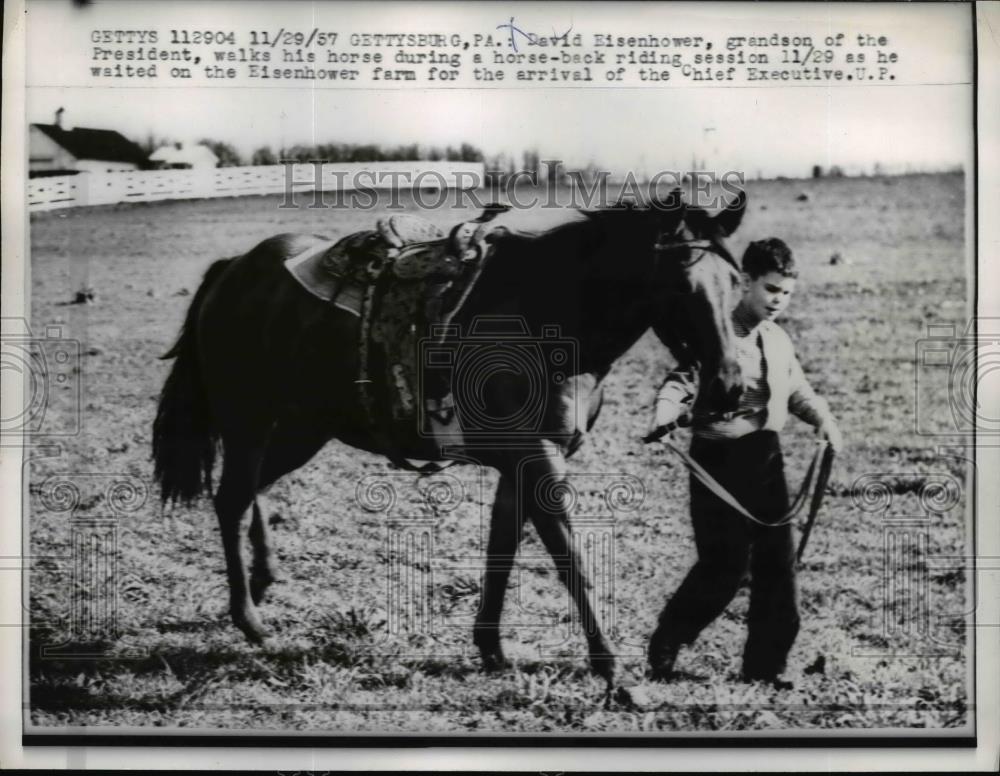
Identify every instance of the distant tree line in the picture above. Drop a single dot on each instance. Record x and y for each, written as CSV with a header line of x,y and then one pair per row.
x,y
500,166
367,152
229,156
836,171
226,152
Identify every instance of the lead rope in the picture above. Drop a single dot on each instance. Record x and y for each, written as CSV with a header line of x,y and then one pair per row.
x,y
826,464
823,457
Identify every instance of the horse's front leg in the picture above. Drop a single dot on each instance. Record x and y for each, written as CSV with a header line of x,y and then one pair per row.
x,y
506,523
540,480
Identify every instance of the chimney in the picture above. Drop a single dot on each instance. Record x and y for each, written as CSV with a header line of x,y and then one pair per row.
x,y
59,117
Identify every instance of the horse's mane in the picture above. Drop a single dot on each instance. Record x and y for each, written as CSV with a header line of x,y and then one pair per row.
x,y
543,268
564,247
554,245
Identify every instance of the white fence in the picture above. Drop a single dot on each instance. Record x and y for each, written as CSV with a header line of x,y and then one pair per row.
x,y
89,188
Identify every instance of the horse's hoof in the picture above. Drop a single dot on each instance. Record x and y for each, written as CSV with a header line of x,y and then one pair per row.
x,y
255,636
259,586
661,675
253,629
495,663
634,698
488,642
604,667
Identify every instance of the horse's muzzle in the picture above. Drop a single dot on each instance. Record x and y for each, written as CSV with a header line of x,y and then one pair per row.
x,y
727,387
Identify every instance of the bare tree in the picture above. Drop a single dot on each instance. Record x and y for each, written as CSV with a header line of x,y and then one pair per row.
x,y
263,155
531,160
226,152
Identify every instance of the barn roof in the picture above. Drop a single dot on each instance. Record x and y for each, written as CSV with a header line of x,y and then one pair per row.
x,y
104,145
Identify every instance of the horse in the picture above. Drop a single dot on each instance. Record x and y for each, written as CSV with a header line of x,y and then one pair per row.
x,y
268,373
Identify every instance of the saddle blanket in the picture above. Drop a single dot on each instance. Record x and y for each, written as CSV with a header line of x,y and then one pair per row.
x,y
306,268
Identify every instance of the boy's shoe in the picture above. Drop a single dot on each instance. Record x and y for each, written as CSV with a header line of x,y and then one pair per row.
x,y
661,657
778,681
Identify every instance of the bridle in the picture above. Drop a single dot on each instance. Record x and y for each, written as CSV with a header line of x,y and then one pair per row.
x,y
701,247
705,246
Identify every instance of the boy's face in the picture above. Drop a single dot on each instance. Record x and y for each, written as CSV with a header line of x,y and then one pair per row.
x,y
766,297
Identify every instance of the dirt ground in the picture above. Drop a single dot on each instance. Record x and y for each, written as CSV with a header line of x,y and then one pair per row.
x,y
365,643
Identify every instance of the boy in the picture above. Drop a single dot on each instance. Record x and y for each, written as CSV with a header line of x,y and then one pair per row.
x,y
742,452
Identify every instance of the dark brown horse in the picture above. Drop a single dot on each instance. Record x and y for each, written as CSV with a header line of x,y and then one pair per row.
x,y
270,371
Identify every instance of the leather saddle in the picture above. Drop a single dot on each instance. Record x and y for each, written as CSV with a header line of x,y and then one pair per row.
x,y
411,246
405,280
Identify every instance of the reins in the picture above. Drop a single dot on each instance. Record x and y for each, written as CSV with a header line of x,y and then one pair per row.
x,y
819,467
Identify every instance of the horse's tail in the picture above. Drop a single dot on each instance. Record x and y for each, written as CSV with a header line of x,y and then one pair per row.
x,y
184,439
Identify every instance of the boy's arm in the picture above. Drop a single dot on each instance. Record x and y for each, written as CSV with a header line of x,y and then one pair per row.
x,y
674,401
804,403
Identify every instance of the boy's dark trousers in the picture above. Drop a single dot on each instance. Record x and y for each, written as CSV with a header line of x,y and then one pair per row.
x,y
751,468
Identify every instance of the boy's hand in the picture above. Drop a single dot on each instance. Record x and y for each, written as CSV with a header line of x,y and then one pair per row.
x,y
828,430
673,406
666,422
658,432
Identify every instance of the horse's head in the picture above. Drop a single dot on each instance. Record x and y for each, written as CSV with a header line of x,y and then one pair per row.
x,y
656,264
697,279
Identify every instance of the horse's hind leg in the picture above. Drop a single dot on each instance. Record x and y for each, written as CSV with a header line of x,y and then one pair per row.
x,y
235,496
289,447
506,525
263,571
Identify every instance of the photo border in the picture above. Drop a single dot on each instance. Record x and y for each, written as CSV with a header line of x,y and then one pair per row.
x,y
16,278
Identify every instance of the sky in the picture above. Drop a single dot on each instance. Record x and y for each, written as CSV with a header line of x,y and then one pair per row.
x,y
774,132
924,122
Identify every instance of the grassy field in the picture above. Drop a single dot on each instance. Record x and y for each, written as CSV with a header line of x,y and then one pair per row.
x,y
883,642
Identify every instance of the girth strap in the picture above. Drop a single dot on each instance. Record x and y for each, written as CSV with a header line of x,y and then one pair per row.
x,y
381,274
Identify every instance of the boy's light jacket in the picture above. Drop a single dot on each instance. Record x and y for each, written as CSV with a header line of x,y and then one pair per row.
x,y
788,389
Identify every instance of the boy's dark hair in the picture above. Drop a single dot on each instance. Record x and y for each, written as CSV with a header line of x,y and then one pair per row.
x,y
771,255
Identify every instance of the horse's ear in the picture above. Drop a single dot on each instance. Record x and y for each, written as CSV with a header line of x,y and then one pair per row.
x,y
732,214
673,204
674,200
491,211
625,202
